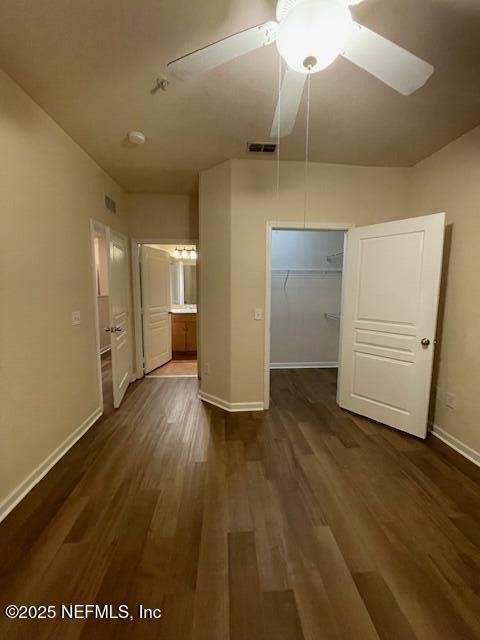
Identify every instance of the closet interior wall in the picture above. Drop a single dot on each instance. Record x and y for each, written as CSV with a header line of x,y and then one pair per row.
x,y
306,298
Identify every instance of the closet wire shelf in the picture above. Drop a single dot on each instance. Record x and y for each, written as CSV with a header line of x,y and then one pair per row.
x,y
334,256
332,316
305,273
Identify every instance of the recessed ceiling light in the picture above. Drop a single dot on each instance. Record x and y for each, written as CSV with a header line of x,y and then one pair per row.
x,y
136,137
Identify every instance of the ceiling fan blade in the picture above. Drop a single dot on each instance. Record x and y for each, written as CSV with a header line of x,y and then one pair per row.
x,y
223,51
385,60
287,107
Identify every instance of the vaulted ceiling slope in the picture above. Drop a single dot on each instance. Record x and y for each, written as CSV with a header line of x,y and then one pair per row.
x,y
92,64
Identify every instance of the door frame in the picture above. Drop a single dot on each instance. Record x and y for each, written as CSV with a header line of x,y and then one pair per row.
x,y
95,228
272,225
100,227
137,298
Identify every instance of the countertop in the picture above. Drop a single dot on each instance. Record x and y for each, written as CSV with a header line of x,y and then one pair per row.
x,y
183,309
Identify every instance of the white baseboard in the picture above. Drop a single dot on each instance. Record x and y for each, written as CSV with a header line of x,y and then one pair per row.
x,y
231,406
105,349
455,443
304,365
11,501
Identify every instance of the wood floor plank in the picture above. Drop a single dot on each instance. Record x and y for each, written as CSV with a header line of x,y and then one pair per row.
x,y
186,544
239,516
211,604
246,615
177,616
280,616
348,607
267,524
389,620
317,619
116,583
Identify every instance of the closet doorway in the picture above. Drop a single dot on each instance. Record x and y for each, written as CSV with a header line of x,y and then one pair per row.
x,y
390,282
304,298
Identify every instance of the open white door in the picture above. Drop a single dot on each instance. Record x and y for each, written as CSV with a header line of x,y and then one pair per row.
x,y
118,276
157,332
389,315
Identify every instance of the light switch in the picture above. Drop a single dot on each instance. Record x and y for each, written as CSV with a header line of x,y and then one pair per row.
x,y
75,317
258,314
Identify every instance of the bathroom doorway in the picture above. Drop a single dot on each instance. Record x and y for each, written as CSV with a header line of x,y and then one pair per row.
x,y
167,288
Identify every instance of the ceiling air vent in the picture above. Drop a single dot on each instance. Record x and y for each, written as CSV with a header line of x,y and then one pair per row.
x,y
261,147
110,204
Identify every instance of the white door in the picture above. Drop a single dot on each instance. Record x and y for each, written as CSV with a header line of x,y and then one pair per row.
x,y
157,332
389,315
118,276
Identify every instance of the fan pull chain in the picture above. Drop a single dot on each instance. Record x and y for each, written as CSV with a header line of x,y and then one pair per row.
x,y
278,128
307,140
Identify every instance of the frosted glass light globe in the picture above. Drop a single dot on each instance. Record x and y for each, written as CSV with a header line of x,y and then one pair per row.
x,y
313,34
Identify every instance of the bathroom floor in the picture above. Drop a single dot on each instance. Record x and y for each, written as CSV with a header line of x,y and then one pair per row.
x,y
176,368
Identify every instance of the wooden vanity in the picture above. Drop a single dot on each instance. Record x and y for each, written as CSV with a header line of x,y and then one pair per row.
x,y
184,332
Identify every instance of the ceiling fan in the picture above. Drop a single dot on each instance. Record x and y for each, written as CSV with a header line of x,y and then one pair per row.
x,y
310,35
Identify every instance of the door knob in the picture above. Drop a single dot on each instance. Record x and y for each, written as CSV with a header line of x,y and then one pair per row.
x,y
108,329
425,342
118,329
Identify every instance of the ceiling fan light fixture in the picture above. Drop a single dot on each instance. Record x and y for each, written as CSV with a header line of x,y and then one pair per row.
x,y
313,34
310,34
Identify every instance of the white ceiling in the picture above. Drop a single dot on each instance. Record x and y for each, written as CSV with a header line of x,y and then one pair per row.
x,y
92,64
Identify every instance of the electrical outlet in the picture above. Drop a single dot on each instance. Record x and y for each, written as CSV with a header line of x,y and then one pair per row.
x,y
258,314
75,317
206,368
451,400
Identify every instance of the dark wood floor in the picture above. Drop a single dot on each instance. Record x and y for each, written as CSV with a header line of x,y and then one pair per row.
x,y
300,522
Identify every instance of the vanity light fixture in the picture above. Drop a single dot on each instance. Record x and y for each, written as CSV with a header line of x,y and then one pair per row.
x,y
184,254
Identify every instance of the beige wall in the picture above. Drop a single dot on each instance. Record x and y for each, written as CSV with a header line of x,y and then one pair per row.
x,y
215,282
49,189
450,181
166,216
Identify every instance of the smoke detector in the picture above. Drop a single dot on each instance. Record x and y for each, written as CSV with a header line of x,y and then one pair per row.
x,y
136,137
